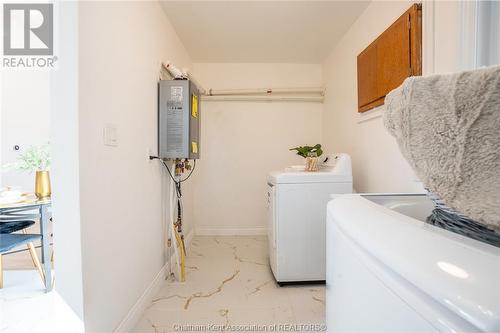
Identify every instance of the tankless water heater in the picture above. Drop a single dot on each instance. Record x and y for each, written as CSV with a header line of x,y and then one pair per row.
x,y
178,120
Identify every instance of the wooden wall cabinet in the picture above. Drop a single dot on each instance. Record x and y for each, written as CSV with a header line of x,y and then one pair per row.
x,y
395,55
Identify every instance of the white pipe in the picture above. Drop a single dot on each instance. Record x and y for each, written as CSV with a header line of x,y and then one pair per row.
x,y
196,82
170,237
313,99
240,94
164,74
266,91
176,73
173,71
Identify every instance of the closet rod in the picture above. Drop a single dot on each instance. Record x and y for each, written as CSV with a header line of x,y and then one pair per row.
x,y
265,91
239,98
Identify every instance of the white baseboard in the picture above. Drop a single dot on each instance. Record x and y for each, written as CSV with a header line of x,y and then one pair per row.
x,y
225,231
189,238
135,313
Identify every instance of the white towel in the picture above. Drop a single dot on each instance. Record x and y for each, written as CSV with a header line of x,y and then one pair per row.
x,y
448,128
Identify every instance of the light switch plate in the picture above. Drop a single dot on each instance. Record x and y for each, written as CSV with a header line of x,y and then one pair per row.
x,y
110,135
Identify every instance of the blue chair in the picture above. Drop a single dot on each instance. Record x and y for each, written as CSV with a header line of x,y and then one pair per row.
x,y
8,226
9,241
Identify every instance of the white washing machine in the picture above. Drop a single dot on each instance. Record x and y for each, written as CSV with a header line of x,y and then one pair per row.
x,y
389,271
297,217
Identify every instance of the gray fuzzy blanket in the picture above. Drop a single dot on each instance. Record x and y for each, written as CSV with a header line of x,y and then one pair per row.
x,y
448,128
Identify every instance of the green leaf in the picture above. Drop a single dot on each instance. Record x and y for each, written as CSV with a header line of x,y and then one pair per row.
x,y
35,158
305,150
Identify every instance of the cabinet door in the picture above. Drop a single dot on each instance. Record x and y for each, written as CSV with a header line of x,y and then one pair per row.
x,y
367,76
391,58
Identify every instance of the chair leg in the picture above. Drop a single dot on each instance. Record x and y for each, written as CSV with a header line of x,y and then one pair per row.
x,y
36,262
1,272
34,257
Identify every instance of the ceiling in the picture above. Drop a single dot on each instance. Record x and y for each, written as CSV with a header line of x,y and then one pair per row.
x,y
261,31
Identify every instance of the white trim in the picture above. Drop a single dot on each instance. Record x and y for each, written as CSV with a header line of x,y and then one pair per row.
x,y
231,231
189,238
135,313
428,37
468,34
487,41
370,114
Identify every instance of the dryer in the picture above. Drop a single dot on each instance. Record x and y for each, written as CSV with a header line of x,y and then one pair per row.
x,y
297,202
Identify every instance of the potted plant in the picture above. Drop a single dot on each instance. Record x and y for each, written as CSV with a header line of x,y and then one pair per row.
x,y
35,159
311,154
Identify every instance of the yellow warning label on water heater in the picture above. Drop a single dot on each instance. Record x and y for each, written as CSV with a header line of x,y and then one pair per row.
x,y
194,147
194,106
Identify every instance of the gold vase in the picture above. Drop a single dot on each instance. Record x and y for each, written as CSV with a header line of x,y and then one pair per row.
x,y
42,184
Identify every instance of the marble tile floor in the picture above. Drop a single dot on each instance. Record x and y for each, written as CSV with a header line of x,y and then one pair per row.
x,y
230,286
26,307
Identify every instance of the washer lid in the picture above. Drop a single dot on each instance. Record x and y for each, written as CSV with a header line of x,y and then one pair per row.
x,y
333,168
461,275
295,177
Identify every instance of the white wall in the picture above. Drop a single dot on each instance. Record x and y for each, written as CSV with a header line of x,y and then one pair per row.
x,y
66,158
448,55
1,111
25,119
378,166
242,141
116,196
465,35
24,110
121,46
31,116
